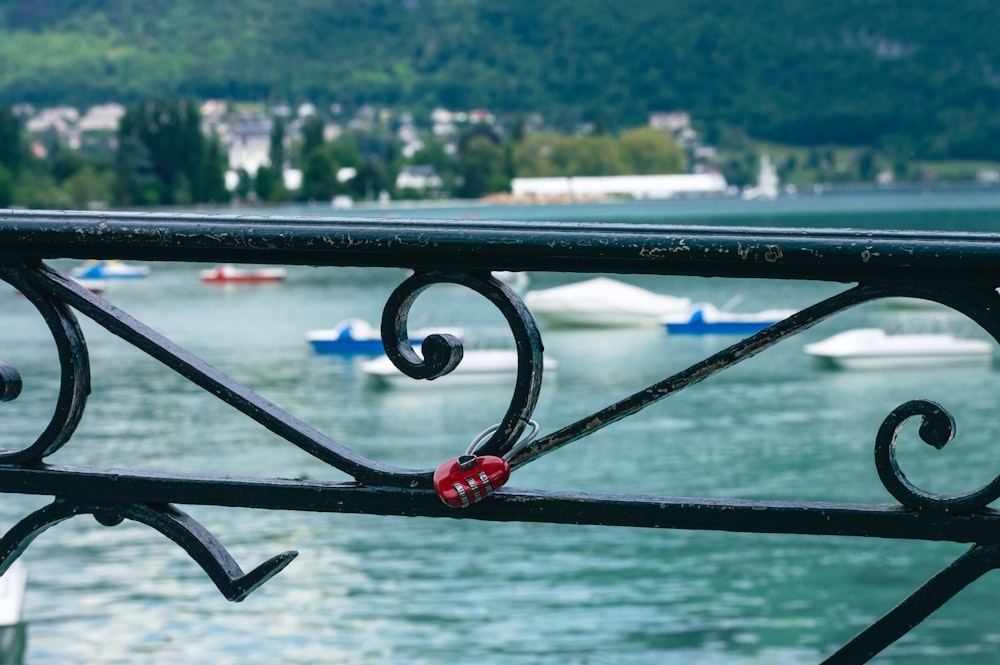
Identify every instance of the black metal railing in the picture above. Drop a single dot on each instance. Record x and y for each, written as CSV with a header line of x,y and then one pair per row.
x,y
955,269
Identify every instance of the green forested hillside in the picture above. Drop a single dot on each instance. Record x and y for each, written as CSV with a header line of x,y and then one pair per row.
x,y
919,77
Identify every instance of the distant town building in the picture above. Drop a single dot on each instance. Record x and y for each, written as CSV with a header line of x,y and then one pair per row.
x,y
410,138
440,115
705,152
332,131
988,176
249,145
292,179
212,110
670,121
631,186
481,116
102,118
58,118
418,177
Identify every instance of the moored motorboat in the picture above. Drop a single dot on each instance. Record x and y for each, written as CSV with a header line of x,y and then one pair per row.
x,y
357,336
478,366
603,302
12,588
225,273
873,348
351,336
707,319
109,269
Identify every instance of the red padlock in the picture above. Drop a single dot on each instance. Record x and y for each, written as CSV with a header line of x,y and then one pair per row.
x,y
468,479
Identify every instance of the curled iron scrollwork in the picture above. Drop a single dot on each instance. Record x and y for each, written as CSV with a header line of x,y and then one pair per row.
x,y
74,363
176,525
937,428
937,425
441,353
10,382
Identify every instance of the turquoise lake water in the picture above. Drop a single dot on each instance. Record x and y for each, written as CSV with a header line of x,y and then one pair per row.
x,y
384,590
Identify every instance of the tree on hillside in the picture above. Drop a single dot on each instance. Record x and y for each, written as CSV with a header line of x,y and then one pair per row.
x,y
265,184
268,183
312,136
12,152
589,155
434,154
6,188
344,153
372,179
648,151
169,136
276,153
136,183
542,155
319,176
214,175
483,168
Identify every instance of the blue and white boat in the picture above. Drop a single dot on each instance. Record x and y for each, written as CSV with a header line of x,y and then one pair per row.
x,y
707,319
109,269
357,336
347,337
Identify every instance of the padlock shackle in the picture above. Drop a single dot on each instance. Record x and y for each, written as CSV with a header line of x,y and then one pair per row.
x,y
471,450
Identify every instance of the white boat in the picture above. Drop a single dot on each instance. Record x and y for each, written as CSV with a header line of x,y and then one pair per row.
x,y
478,366
603,302
873,348
707,319
12,586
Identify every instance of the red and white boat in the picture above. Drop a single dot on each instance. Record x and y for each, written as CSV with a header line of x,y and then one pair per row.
x,y
225,273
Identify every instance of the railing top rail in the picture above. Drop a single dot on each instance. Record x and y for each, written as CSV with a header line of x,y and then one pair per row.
x,y
844,255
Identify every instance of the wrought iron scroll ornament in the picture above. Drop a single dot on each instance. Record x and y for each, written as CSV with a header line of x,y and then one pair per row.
x,y
381,488
441,353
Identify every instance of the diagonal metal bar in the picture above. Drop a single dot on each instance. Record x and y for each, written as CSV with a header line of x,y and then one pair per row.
x,y
736,353
921,604
215,382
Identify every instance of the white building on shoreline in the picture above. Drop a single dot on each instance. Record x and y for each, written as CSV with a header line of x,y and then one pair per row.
x,y
627,186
